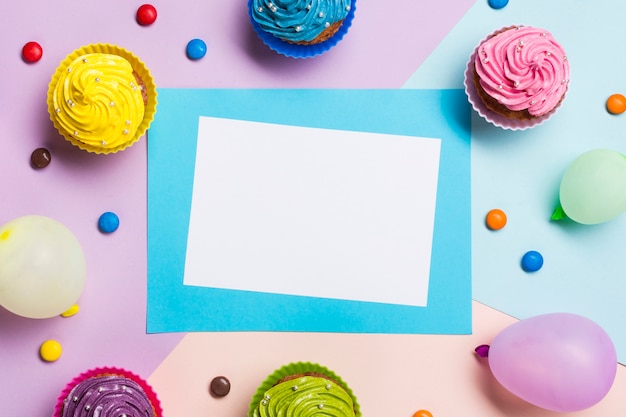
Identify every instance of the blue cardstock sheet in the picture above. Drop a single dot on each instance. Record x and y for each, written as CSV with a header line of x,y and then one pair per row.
x,y
175,307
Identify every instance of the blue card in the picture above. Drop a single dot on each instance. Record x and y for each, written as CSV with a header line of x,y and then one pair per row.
x,y
172,146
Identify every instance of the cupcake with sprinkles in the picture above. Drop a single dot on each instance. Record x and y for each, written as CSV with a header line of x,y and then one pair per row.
x,y
102,98
304,389
301,28
107,392
517,77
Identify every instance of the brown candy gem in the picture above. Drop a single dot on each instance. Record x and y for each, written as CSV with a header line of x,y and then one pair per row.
x,y
40,158
220,386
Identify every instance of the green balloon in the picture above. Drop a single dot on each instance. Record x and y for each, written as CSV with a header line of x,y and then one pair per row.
x,y
593,188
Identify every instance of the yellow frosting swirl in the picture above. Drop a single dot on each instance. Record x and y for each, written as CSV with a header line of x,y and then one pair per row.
x,y
98,100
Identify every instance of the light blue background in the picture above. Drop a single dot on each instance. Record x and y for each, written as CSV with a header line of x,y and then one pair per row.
x,y
520,172
173,306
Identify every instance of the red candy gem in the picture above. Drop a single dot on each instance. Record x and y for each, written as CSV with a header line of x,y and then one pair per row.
x,y
146,14
32,52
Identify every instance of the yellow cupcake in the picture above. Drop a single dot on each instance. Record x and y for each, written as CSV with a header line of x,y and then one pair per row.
x,y
102,98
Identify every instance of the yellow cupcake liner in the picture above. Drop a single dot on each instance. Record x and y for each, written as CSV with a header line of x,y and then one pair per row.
x,y
295,368
138,66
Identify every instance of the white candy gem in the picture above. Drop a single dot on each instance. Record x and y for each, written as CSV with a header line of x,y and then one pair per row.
x,y
127,122
347,8
486,60
298,28
328,386
75,133
327,24
75,399
87,407
85,60
516,83
97,79
260,10
543,34
125,131
500,87
112,104
320,406
295,388
548,54
321,14
532,102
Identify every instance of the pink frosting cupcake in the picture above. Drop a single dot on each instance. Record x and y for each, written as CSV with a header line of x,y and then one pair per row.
x,y
107,392
517,77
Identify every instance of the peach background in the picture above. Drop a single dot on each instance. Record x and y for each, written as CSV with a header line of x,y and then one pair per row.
x,y
391,375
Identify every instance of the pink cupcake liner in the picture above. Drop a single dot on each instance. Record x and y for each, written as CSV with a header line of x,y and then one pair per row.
x,y
96,372
489,115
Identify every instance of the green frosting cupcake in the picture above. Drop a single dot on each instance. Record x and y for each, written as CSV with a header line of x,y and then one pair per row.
x,y
305,389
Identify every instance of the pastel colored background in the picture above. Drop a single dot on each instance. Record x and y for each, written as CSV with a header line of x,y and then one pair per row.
x,y
520,171
385,48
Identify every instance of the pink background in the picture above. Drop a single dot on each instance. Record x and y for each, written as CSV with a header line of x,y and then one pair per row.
x,y
383,48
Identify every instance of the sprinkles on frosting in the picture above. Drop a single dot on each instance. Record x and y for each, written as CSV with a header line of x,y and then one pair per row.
x,y
301,394
298,20
524,69
85,100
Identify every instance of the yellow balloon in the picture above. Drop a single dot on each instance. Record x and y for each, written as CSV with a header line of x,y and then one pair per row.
x,y
593,188
42,267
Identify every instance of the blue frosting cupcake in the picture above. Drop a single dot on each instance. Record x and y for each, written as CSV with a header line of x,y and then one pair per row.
x,y
301,28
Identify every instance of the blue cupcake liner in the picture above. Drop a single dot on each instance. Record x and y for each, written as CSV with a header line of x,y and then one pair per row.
x,y
302,51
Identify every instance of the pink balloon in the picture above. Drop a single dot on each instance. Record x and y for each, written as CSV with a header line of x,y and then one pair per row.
x,y
559,361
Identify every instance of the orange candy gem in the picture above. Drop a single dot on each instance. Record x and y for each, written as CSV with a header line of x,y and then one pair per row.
x,y
422,413
616,104
496,219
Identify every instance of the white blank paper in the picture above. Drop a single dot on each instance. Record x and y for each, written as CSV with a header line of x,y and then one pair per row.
x,y
312,212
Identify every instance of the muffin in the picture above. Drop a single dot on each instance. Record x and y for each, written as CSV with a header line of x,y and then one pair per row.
x,y
102,98
107,392
305,389
301,28
517,77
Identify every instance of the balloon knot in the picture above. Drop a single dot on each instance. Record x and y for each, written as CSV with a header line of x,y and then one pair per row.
x,y
482,351
559,213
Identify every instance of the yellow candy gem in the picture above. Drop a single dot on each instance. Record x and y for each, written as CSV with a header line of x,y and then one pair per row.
x,y
50,350
70,311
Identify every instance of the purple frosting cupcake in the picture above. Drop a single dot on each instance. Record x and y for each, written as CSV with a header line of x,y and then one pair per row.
x,y
108,392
